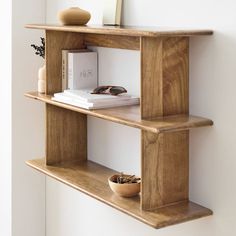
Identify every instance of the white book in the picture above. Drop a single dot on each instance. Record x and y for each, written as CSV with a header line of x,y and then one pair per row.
x,y
91,106
65,97
86,96
65,66
112,12
82,70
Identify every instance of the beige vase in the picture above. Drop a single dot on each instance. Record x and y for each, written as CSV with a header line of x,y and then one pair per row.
x,y
74,16
42,79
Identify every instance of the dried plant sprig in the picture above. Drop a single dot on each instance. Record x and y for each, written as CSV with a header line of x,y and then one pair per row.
x,y
40,50
126,179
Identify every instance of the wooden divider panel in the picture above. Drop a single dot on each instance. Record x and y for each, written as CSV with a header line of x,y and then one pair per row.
x,y
164,169
175,76
164,91
66,137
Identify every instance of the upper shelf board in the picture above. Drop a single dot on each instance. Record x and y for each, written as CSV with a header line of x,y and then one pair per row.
x,y
130,116
124,30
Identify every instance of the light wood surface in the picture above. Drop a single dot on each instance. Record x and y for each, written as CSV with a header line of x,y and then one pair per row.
x,y
124,30
151,77
164,169
164,76
175,77
130,116
55,42
66,136
164,92
92,179
163,117
112,41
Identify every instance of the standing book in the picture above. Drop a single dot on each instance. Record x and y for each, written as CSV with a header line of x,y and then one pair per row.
x,y
82,70
65,53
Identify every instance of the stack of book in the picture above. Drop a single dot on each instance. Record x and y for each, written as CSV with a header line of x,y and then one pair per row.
x,y
84,99
79,74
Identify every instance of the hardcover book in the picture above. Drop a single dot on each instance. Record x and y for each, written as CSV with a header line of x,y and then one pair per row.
x,y
79,69
82,70
96,105
65,65
84,99
86,96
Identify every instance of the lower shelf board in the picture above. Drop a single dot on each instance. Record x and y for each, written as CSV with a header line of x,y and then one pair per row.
x,y
91,179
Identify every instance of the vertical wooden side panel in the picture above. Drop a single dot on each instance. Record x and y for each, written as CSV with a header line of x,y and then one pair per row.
x,y
165,168
55,42
151,78
66,138
175,58
164,91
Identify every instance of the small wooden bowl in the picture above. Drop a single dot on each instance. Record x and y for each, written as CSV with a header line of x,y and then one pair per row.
x,y
124,190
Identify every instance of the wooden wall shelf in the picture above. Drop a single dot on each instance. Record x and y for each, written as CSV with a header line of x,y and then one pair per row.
x,y
163,117
124,30
91,179
131,116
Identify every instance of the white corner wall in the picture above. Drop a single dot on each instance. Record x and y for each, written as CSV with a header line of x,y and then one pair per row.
x,y
212,150
22,205
5,118
28,188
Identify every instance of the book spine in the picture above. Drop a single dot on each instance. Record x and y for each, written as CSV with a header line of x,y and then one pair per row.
x,y
70,71
64,70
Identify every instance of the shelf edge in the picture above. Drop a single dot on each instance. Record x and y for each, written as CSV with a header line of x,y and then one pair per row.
x,y
125,30
198,211
95,113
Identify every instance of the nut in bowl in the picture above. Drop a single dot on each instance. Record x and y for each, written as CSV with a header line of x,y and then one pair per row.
x,y
125,185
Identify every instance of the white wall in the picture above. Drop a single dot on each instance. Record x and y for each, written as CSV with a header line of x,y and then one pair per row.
x,y
28,188
212,150
21,122
5,118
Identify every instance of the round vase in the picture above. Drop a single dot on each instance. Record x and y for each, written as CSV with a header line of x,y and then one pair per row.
x,y
74,16
42,79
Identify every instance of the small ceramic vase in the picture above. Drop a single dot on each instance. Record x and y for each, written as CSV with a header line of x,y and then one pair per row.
x,y
42,79
74,16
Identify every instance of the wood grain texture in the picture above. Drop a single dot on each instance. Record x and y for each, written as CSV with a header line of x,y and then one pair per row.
x,y
163,118
164,169
164,76
91,179
55,42
124,30
151,78
130,116
164,92
66,135
175,75
112,41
